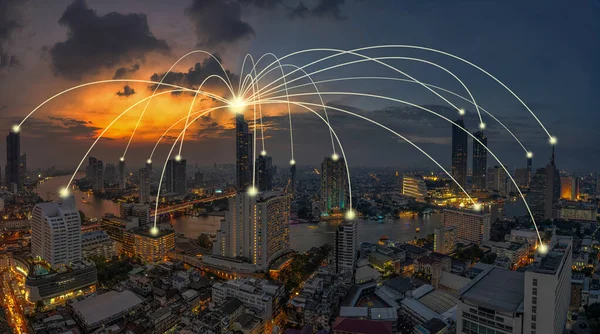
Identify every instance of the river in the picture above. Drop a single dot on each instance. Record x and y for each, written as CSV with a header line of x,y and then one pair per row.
x,y
302,236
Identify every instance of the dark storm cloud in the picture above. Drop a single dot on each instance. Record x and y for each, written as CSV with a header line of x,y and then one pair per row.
x,y
127,91
323,8
218,22
96,42
195,75
122,72
10,21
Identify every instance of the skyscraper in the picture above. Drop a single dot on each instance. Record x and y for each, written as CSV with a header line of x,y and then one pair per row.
x,y
144,185
243,151
334,186
569,188
122,176
13,154
496,180
255,228
459,154
292,185
479,161
198,179
56,232
99,176
544,190
175,176
345,246
264,166
22,169
552,187
110,173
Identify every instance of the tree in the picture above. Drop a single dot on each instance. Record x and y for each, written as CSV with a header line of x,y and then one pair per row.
x,y
204,241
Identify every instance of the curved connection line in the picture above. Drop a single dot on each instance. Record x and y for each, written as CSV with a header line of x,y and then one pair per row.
x,y
407,46
449,121
174,124
108,127
202,113
217,97
227,83
398,58
192,105
368,59
410,81
262,131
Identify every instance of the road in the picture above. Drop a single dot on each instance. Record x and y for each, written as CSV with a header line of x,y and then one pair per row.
x,y
182,206
11,305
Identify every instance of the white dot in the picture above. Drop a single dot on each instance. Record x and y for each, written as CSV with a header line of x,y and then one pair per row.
x,y
263,153
482,125
461,111
553,140
64,192
350,214
252,191
154,230
477,207
292,162
149,161
122,159
529,154
543,248
16,128
178,158
335,157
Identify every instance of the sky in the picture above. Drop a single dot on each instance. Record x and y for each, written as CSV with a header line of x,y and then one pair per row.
x,y
545,51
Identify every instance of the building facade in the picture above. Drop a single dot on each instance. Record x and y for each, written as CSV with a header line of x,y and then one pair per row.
x,y
479,161
334,186
345,246
470,226
444,240
12,175
459,154
414,186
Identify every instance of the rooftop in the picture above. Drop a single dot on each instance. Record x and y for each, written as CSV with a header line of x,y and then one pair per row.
x,y
499,290
362,326
399,284
96,309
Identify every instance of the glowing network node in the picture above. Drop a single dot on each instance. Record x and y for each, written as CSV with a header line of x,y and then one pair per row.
x,y
461,112
482,125
149,161
292,162
252,191
529,155
122,159
238,105
543,249
178,157
263,153
350,215
335,157
477,207
64,192
16,128
553,140
154,230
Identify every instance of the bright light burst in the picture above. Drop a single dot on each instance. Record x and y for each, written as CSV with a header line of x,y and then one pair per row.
x,y
268,83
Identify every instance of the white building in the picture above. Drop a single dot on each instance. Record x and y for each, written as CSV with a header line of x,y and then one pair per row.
x,y
56,232
548,289
345,246
255,228
414,186
98,243
256,294
492,303
444,239
471,226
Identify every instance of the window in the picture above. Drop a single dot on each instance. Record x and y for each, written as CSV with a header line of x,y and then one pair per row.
x,y
535,282
533,325
534,309
533,317
534,291
534,300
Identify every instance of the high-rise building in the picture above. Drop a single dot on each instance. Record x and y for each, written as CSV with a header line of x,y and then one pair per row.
x,y
414,186
98,243
479,161
56,232
470,225
444,240
150,247
548,289
523,177
110,173
198,179
144,192
136,210
544,191
94,174
552,187
122,176
175,176
13,154
334,186
459,154
264,166
292,181
569,188
345,246
244,154
22,169
255,228
496,178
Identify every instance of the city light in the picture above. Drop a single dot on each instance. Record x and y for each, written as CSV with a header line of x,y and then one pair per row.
x,y
350,215
64,192
252,191
292,162
154,231
122,159
149,161
461,112
178,158
529,155
238,105
553,140
263,153
16,129
477,207
543,249
482,125
335,157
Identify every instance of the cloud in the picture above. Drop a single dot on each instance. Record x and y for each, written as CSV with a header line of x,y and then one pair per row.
x,y
122,72
323,8
196,75
97,42
218,22
127,91
10,21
